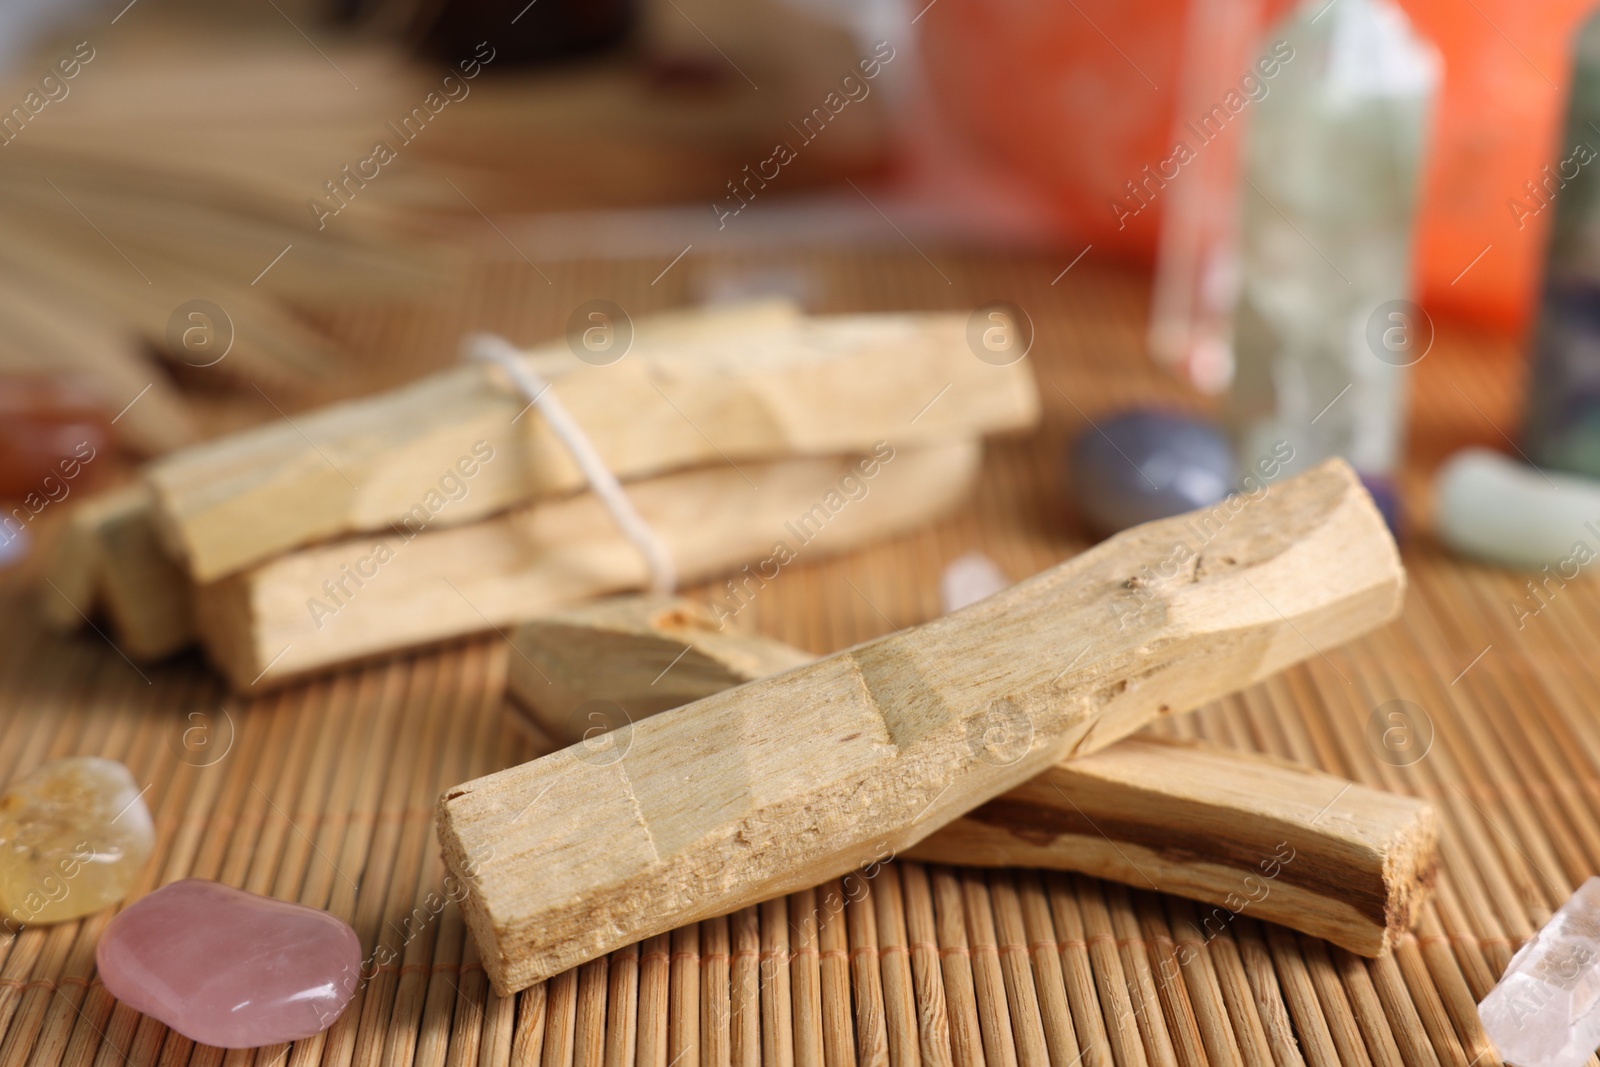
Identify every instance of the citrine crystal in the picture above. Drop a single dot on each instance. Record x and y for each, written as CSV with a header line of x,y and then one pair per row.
x,y
73,835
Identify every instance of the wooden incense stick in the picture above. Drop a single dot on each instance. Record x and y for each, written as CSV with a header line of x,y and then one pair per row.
x,y
1209,823
361,597
1251,834
109,560
790,780
720,387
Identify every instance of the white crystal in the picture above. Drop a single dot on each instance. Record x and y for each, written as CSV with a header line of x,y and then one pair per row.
x,y
1490,506
1373,53
968,580
1546,1010
1332,165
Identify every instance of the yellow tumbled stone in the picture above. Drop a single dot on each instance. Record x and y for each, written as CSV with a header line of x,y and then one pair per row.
x,y
73,835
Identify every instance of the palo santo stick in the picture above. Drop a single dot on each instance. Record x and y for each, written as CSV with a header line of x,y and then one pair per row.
x,y
1249,833
71,589
109,559
145,594
643,654
335,603
790,780
1209,823
714,388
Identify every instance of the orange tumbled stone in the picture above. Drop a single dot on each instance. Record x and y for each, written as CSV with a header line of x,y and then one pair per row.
x,y
50,429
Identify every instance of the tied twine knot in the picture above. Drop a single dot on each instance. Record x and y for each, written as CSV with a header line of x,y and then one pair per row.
x,y
496,350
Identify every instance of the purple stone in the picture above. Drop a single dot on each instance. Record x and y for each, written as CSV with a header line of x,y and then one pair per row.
x,y
13,545
1143,465
1387,498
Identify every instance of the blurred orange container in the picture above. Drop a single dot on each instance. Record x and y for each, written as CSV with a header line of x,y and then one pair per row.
x,y
1081,97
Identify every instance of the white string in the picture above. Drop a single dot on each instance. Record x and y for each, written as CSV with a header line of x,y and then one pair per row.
x,y
488,348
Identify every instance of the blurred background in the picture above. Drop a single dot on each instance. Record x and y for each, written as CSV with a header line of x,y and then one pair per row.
x,y
214,215
197,134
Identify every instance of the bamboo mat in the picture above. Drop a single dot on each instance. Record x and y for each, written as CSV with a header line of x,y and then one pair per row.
x,y
324,793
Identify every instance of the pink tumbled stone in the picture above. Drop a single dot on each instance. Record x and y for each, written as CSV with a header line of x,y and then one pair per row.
x,y
229,968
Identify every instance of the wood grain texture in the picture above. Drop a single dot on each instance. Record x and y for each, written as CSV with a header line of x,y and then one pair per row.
x,y
643,654
1197,820
794,779
362,597
1252,834
727,386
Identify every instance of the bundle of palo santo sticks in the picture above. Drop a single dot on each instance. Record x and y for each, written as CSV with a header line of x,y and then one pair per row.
x,y
749,436
996,735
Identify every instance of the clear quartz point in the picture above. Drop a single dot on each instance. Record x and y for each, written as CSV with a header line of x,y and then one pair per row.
x,y
1545,1012
1324,330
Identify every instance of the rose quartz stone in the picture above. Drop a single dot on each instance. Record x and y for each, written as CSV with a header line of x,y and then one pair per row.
x,y
229,968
